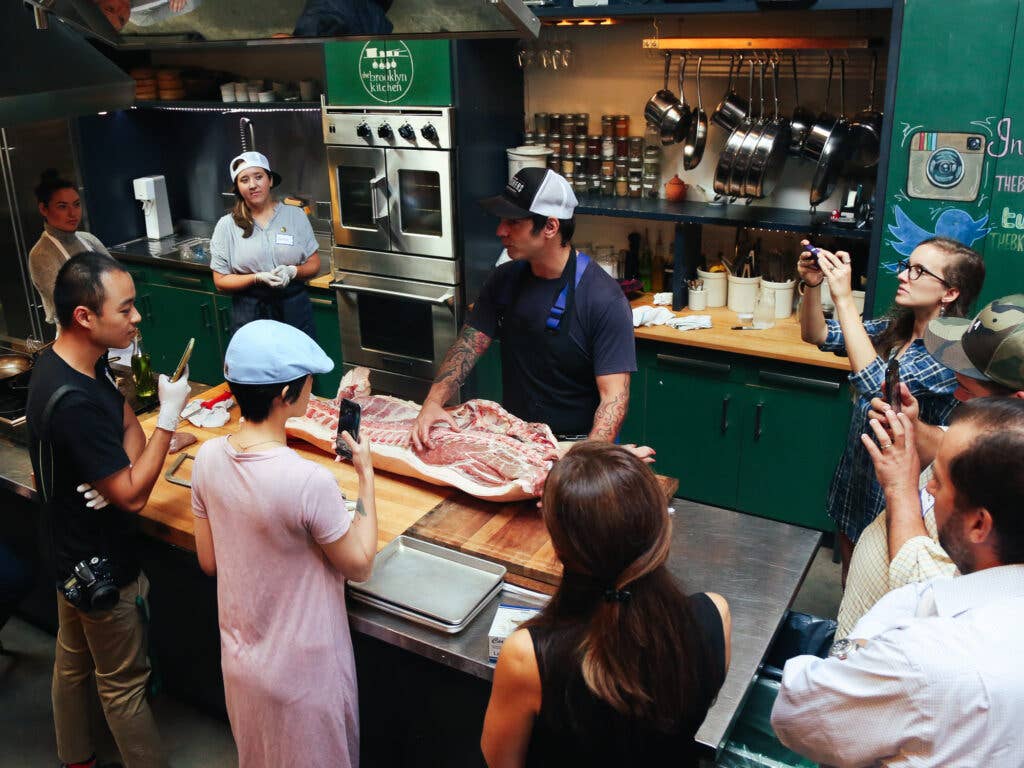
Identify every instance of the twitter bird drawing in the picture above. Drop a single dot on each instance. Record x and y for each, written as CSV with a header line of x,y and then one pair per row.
x,y
952,223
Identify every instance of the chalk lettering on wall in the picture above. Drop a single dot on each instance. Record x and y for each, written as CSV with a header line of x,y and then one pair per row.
x,y
1009,183
1008,241
1005,143
952,222
1011,219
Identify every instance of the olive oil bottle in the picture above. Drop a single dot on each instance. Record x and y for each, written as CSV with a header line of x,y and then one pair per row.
x,y
142,371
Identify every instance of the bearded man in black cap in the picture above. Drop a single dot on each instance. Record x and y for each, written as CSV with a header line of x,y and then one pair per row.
x,y
566,329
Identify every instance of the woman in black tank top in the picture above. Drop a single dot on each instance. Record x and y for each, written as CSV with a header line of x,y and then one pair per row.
x,y
621,666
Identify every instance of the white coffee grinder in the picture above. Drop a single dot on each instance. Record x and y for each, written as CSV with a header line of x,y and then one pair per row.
x,y
151,191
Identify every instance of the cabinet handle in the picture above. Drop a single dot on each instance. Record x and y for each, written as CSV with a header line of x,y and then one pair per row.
x,y
321,302
204,310
691,364
224,316
798,382
757,421
725,413
184,280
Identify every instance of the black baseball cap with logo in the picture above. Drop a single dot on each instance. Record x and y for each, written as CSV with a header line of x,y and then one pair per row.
x,y
530,191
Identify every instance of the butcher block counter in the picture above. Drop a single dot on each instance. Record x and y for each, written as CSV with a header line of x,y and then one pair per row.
x,y
782,342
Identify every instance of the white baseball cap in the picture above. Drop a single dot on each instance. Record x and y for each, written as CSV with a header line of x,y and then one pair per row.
x,y
252,160
269,352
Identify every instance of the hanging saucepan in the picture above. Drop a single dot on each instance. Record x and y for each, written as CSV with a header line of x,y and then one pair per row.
x,y
835,151
663,111
15,367
770,153
866,128
727,157
738,177
732,110
800,122
693,149
821,128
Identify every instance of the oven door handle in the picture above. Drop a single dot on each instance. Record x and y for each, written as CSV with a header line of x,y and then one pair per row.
x,y
446,298
379,197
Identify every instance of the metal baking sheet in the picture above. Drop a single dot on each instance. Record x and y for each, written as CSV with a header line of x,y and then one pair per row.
x,y
435,582
419,618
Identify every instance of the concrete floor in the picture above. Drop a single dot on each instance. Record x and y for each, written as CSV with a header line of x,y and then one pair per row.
x,y
193,738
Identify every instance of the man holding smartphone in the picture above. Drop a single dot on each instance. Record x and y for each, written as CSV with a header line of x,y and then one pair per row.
x,y
901,546
95,470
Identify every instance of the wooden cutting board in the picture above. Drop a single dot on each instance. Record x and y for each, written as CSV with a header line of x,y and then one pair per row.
x,y
401,501
512,534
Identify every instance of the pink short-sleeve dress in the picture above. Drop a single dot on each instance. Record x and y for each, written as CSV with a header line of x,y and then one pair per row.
x,y
286,650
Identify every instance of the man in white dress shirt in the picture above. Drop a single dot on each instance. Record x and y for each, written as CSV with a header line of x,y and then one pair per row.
x,y
932,675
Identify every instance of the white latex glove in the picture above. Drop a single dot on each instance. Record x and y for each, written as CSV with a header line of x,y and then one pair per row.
x,y
286,273
94,499
271,279
173,396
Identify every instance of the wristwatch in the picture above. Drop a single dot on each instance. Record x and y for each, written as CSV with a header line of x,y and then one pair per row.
x,y
841,649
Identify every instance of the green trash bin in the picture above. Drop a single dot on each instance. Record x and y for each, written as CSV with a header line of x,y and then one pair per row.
x,y
753,743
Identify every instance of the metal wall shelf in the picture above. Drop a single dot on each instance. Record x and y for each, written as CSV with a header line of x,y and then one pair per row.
x,y
735,215
227,107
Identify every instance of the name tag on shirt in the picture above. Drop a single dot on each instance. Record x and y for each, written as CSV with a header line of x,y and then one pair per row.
x,y
283,239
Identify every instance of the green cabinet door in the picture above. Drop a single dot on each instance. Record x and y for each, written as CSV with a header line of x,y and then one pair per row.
x,y
328,335
793,431
692,420
177,315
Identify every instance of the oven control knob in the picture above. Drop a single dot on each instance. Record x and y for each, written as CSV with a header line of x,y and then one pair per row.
x,y
385,132
407,132
363,131
429,132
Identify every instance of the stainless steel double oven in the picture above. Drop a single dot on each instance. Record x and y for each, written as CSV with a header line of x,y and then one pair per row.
x,y
395,266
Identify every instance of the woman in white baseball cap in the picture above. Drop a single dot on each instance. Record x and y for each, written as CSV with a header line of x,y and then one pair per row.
x,y
264,251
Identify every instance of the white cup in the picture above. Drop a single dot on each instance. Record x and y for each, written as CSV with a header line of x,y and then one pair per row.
x,y
307,89
698,299
265,97
227,92
253,93
241,92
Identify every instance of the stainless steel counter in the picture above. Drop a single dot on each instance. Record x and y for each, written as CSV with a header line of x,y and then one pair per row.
x,y
757,564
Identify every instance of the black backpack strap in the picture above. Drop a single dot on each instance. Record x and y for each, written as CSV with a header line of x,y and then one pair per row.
x,y
46,485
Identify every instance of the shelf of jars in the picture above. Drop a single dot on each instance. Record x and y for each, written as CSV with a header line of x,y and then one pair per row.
x,y
730,214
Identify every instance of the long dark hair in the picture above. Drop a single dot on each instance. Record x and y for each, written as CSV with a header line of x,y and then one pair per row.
x,y
609,524
50,181
964,270
242,216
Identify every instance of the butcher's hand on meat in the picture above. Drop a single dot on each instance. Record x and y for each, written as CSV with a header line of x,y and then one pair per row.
x,y
430,414
173,396
643,452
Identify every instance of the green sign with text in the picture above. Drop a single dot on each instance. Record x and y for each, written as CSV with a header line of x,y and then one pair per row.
x,y
389,73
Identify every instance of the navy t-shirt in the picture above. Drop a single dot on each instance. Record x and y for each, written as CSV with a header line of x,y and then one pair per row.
x,y
86,431
601,320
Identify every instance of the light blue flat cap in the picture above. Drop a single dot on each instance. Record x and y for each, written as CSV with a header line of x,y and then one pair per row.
x,y
269,352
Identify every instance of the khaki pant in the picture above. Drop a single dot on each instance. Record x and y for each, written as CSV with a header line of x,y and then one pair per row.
x,y
111,646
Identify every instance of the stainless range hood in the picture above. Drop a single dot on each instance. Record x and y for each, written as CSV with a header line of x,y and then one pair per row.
x,y
53,73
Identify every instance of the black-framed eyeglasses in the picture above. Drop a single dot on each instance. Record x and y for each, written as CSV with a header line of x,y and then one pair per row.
x,y
914,271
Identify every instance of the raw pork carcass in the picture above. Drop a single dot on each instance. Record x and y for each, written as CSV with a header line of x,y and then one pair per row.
x,y
493,456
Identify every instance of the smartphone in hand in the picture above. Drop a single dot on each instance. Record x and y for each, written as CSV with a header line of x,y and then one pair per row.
x,y
892,385
348,421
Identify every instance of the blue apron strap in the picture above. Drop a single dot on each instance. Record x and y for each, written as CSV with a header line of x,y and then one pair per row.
x,y
555,316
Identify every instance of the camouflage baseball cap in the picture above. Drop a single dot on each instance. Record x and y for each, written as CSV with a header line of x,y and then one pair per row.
x,y
989,348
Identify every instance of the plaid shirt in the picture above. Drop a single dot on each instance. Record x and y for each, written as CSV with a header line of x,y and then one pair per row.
x,y
855,498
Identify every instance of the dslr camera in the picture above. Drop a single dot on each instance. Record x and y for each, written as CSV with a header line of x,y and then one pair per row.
x,y
90,587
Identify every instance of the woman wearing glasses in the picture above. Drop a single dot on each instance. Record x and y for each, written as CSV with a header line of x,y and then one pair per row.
x,y
941,277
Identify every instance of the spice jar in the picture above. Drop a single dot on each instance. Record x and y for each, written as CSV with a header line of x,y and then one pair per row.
x,y
555,142
583,123
594,165
568,165
554,123
568,144
636,147
608,186
622,125
593,145
635,188
580,183
608,148
607,126
529,138
541,123
594,187
621,186
622,146
651,184
607,167
555,162
621,166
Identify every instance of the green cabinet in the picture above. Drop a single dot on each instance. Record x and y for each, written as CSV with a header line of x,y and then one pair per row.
x,y
744,433
328,335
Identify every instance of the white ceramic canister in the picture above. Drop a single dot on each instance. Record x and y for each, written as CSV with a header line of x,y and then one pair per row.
x,y
527,156
783,296
715,286
742,293
698,299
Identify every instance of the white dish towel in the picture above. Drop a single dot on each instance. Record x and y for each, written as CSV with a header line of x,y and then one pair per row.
x,y
648,316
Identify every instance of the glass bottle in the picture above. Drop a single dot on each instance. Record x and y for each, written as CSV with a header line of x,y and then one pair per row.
x,y
142,372
657,266
645,261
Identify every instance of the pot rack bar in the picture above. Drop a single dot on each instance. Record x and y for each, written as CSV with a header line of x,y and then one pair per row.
x,y
755,43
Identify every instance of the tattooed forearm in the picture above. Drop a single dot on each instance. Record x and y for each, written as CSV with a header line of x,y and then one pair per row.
x,y
610,413
460,361
360,510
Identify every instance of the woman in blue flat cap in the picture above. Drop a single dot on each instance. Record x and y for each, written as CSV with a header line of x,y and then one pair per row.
x,y
263,252
275,530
